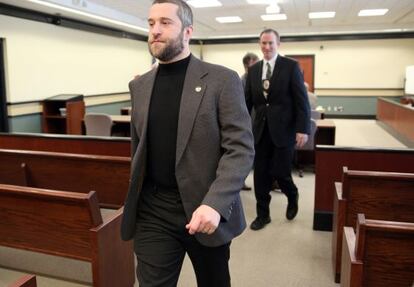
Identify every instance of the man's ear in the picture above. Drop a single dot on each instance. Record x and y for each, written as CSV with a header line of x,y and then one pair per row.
x,y
188,33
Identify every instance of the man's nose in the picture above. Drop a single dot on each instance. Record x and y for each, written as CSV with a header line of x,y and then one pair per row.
x,y
155,29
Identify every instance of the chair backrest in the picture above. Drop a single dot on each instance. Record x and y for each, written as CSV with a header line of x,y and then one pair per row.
x,y
310,144
98,124
316,115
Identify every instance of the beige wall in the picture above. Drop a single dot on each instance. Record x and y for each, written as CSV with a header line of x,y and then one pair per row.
x,y
339,64
43,60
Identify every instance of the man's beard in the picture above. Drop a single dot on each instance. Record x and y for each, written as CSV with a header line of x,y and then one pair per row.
x,y
172,48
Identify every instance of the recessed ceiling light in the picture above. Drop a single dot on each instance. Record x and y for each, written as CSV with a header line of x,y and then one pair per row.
x,y
372,12
320,15
229,19
204,3
273,17
273,9
254,2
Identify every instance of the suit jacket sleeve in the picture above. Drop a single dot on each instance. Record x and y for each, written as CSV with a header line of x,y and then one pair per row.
x,y
301,101
237,146
248,92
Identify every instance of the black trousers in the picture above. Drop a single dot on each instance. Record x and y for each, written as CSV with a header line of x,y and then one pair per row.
x,y
271,163
161,242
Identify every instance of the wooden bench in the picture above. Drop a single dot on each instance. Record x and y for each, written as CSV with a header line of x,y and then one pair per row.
x,y
107,175
379,195
381,254
111,146
328,169
67,224
25,281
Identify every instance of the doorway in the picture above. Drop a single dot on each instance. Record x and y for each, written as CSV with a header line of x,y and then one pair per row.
x,y
307,66
4,126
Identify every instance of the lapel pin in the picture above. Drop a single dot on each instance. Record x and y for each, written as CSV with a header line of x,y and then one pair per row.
x,y
198,89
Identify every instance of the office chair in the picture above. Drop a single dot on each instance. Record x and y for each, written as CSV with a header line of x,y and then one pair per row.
x,y
309,147
316,115
98,124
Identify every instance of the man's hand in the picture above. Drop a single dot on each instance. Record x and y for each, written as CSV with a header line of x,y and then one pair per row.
x,y
205,220
301,139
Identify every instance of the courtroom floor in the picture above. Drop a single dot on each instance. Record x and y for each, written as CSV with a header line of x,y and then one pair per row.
x,y
283,253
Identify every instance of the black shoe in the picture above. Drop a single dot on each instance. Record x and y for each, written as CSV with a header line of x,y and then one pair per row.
x,y
292,208
245,187
259,223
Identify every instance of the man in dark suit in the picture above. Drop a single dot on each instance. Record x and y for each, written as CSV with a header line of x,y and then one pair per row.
x,y
192,148
275,89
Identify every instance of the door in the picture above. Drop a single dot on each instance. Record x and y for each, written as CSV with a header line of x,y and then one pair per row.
x,y
4,126
307,65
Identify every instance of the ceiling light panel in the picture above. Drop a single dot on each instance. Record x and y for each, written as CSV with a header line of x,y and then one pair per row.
x,y
372,12
255,2
229,19
321,15
204,3
274,17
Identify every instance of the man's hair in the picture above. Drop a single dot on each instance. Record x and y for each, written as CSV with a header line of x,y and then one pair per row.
x,y
249,57
268,31
184,11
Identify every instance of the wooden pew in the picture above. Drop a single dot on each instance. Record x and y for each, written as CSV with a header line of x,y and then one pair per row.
x,y
107,175
328,169
379,195
381,254
111,146
67,224
25,281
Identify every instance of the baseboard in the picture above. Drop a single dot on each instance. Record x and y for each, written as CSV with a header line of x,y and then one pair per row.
x,y
322,220
355,117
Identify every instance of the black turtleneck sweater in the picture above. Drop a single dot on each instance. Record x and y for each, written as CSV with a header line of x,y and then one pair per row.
x,y
162,123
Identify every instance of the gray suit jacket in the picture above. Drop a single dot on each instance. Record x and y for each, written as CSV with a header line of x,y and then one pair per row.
x,y
214,152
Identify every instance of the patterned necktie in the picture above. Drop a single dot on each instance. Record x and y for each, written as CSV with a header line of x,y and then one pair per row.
x,y
268,71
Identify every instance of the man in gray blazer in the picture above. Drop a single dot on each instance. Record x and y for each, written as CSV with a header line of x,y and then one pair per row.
x,y
192,148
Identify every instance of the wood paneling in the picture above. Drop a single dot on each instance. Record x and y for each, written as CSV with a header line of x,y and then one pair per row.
x,y
376,194
397,116
107,175
381,254
328,169
67,144
67,224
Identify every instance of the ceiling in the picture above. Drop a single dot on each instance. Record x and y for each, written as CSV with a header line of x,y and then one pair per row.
x,y
400,17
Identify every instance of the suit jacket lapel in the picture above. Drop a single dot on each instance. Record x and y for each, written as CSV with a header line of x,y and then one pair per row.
x,y
276,73
193,92
146,92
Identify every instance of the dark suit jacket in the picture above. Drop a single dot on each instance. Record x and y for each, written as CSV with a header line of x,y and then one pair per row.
x,y
287,107
215,147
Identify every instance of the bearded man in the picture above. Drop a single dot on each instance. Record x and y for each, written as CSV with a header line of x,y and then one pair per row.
x,y
192,148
